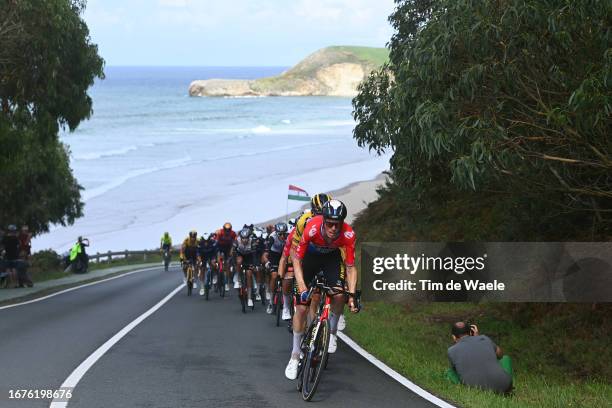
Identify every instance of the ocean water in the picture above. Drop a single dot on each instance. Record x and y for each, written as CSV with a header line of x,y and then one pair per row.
x,y
152,159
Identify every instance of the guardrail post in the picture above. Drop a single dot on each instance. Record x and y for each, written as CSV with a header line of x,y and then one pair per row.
x,y
97,257
126,254
145,255
110,257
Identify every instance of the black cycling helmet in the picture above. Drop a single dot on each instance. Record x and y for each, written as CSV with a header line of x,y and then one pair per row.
x,y
334,210
317,201
281,228
193,234
245,233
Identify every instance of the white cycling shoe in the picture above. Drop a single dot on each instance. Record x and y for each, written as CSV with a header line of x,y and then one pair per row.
x,y
292,369
250,302
286,314
333,344
214,280
226,287
341,323
201,291
258,297
195,285
269,308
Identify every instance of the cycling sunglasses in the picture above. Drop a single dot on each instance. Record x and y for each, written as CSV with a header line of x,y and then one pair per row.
x,y
332,224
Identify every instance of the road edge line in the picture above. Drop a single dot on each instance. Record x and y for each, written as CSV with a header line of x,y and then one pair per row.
x,y
78,373
121,275
394,374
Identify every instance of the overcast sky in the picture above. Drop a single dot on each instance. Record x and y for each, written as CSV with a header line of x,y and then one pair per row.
x,y
231,32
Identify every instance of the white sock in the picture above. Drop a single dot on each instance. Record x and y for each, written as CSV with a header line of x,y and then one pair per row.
x,y
297,341
286,301
333,322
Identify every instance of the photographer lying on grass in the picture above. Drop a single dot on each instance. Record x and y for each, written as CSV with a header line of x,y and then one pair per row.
x,y
474,360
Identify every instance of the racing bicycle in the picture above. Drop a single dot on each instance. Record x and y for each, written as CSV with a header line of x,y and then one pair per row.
x,y
313,358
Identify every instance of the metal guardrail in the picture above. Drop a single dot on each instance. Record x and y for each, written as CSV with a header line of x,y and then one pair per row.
x,y
99,257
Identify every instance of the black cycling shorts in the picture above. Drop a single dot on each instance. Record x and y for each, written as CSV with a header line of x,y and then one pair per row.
x,y
331,264
248,260
225,251
274,258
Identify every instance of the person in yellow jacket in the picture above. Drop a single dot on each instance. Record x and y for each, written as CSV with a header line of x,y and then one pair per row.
x,y
77,253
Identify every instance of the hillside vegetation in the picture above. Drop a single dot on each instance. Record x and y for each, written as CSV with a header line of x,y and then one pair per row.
x,y
498,115
331,71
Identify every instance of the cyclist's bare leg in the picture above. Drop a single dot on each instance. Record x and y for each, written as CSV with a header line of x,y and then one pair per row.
x,y
287,285
238,269
272,283
299,320
249,281
259,277
337,306
312,311
213,269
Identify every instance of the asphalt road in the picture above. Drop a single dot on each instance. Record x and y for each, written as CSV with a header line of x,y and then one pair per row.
x,y
189,353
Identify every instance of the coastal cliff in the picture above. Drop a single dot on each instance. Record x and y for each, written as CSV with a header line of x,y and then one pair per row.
x,y
331,71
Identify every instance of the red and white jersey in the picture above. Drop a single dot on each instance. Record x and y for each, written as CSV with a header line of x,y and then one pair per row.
x,y
313,240
288,242
225,240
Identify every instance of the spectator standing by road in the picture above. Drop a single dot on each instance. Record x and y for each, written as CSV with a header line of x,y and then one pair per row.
x,y
10,242
25,250
25,243
477,361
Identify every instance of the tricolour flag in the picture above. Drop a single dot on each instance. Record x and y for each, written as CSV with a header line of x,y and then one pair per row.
x,y
296,193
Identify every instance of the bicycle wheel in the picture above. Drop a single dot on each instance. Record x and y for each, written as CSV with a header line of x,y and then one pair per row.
x,y
262,294
221,284
315,361
278,303
242,292
189,280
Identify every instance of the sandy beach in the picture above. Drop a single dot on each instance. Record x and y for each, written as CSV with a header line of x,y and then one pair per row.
x,y
356,196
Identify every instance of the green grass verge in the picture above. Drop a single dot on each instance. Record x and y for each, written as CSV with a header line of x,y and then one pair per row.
x,y
413,340
49,273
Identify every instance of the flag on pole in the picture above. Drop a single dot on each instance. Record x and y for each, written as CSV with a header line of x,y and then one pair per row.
x,y
296,193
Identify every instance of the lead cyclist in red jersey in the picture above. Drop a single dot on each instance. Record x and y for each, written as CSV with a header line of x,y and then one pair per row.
x,y
319,250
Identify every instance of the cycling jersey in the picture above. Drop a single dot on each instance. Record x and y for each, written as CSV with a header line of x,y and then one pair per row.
x,y
275,244
245,248
208,249
300,224
166,242
313,240
288,244
225,240
259,244
190,249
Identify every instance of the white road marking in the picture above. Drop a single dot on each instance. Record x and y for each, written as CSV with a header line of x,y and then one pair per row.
x,y
394,374
78,287
78,373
